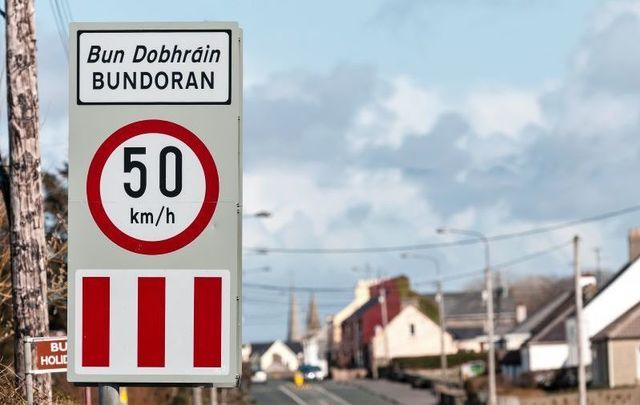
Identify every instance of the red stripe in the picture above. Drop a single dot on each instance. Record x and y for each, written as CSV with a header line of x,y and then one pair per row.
x,y
207,322
95,321
151,321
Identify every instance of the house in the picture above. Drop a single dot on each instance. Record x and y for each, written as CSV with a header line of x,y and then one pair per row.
x,y
334,341
616,351
359,328
276,356
615,298
552,345
543,339
465,318
389,298
516,337
409,334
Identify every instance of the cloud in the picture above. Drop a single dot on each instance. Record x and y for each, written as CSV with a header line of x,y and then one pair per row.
x,y
503,112
406,110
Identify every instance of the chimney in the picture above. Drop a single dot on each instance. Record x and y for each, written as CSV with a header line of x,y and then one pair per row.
x,y
521,313
634,244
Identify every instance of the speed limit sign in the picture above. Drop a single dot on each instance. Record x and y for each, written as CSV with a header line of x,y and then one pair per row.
x,y
155,203
152,187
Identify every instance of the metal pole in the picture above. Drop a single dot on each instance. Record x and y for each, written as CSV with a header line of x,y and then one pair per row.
x,y
87,395
108,394
214,396
196,396
27,370
493,400
491,358
582,383
443,353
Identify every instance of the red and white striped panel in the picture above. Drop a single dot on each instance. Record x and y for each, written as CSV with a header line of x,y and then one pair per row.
x,y
152,322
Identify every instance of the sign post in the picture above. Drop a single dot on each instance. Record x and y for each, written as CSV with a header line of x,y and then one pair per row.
x,y
155,203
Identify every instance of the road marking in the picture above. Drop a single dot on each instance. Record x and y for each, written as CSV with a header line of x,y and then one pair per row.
x,y
291,395
331,395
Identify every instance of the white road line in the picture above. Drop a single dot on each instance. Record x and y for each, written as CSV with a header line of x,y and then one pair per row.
x,y
331,395
291,395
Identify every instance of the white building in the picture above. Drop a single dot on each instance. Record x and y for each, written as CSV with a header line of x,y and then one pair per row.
x,y
410,334
314,347
553,345
276,357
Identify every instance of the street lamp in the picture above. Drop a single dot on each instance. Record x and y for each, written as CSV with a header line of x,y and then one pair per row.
x,y
489,287
258,214
440,300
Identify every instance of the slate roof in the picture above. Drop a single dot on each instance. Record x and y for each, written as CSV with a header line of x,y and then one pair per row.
x,y
363,308
551,328
627,326
295,347
535,321
465,333
258,349
470,303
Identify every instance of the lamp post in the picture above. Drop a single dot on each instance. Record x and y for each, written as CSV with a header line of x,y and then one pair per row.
x,y
489,288
440,300
258,214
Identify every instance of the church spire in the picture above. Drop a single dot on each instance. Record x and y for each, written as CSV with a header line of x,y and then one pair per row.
x,y
293,332
313,319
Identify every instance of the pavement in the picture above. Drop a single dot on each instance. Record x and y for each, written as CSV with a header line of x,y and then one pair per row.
x,y
395,392
356,392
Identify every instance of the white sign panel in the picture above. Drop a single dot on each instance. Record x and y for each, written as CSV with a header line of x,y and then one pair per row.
x,y
169,66
155,203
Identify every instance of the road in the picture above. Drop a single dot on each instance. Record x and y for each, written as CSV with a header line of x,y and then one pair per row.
x,y
324,393
331,393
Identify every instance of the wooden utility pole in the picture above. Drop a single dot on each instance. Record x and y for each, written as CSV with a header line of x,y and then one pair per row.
x,y
28,266
385,320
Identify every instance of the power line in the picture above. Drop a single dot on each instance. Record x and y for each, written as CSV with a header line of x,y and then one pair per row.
x,y
499,266
273,287
61,16
425,246
503,265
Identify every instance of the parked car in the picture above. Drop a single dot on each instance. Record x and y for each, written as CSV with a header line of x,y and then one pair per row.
x,y
311,373
258,377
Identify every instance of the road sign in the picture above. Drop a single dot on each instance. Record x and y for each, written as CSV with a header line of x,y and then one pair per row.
x,y
50,355
176,325
176,189
155,203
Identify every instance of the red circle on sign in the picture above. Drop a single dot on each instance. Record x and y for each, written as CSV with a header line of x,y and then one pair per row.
x,y
94,177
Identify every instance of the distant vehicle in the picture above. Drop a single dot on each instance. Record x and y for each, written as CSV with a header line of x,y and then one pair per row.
x,y
311,373
259,377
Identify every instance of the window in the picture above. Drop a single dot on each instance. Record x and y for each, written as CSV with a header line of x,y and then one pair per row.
x,y
412,330
277,359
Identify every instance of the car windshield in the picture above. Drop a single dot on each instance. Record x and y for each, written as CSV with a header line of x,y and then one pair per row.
x,y
308,369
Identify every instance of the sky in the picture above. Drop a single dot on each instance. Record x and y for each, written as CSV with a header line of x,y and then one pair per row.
x,y
373,122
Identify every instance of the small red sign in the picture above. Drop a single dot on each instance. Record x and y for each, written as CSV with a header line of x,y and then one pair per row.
x,y
50,354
